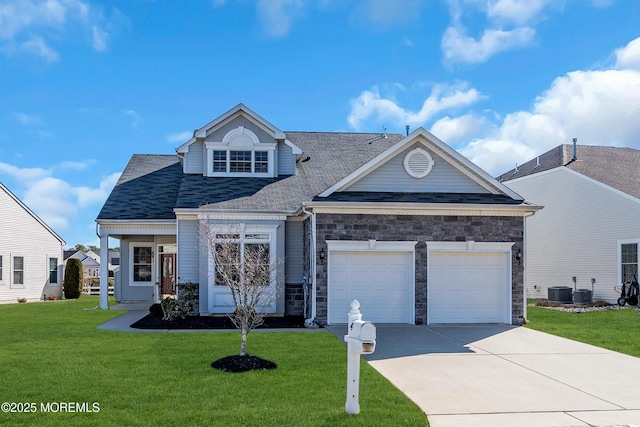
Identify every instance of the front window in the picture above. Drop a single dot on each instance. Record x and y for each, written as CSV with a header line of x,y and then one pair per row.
x,y
219,161
234,250
629,258
53,270
142,261
240,161
18,270
261,163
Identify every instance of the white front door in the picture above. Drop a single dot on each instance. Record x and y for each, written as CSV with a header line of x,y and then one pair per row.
x,y
468,287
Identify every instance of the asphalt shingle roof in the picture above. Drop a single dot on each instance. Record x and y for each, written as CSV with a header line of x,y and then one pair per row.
x,y
614,166
151,186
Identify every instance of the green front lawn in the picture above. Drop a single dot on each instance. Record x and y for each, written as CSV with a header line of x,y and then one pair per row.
x,y
52,353
617,330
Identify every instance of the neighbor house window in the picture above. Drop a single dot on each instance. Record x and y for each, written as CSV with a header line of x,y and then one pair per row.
x,y
1,271
53,270
18,270
629,261
141,273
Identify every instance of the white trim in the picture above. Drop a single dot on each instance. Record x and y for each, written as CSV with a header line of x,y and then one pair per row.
x,y
3,269
294,148
366,246
408,167
421,209
619,244
13,255
225,118
241,229
475,247
430,141
57,256
151,245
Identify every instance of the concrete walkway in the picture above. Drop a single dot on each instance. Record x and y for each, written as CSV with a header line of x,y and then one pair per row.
x,y
498,375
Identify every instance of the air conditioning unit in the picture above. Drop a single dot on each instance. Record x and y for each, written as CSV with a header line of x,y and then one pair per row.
x,y
559,294
582,296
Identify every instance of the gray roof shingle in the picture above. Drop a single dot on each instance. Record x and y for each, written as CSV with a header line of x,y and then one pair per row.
x,y
614,166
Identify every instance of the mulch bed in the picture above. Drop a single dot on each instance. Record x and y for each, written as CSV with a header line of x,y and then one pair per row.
x,y
214,322
242,364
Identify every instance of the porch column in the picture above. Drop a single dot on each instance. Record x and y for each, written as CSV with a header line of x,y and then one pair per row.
x,y
104,271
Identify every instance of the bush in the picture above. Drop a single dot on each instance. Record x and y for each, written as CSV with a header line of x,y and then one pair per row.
x,y
73,279
156,310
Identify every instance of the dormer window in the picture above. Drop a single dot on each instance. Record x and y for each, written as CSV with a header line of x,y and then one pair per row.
x,y
240,153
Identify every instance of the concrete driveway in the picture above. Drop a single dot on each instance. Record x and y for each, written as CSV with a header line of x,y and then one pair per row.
x,y
498,375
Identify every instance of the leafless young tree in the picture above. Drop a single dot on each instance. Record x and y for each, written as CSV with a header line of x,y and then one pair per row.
x,y
246,268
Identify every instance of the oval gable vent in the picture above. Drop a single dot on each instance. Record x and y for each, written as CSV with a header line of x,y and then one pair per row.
x,y
418,163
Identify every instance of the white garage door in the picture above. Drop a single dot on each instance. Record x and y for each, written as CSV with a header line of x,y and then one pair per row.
x,y
468,287
380,281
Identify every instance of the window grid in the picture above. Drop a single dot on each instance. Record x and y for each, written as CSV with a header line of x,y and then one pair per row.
x,y
629,255
18,270
261,163
53,270
240,161
219,161
142,257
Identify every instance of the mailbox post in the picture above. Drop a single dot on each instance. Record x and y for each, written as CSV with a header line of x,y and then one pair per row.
x,y
360,339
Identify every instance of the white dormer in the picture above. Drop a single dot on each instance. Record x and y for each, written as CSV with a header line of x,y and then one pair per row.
x,y
240,153
239,143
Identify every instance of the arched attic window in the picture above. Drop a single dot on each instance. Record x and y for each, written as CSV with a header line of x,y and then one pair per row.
x,y
240,153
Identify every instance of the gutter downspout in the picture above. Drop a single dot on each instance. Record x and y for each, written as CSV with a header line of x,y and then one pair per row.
x,y
310,322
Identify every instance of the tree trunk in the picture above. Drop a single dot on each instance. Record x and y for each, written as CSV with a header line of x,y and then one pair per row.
x,y
243,342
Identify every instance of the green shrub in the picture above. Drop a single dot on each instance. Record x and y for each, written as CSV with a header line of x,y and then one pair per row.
x,y
73,278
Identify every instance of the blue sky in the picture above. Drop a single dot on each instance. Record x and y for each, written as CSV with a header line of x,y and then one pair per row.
x,y
84,84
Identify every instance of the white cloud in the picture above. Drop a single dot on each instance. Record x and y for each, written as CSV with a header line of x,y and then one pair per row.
x,y
629,56
180,137
23,23
457,129
88,196
54,200
458,47
27,119
370,106
518,11
277,15
135,118
599,107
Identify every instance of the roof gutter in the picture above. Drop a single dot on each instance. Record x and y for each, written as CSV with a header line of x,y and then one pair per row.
x,y
475,209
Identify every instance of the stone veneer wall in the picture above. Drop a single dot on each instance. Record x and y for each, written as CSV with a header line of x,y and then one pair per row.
x,y
423,228
294,300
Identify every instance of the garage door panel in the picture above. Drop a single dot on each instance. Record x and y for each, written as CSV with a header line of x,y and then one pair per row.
x,y
467,287
380,281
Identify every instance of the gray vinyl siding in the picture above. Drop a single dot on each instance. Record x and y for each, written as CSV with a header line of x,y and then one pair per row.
x,y
195,159
391,177
577,232
128,292
294,252
189,251
286,160
219,133
21,234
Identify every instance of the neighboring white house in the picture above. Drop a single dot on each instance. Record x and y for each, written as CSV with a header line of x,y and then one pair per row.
x,y
30,253
590,224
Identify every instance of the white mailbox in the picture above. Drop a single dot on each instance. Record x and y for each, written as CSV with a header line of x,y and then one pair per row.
x,y
362,330
360,339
